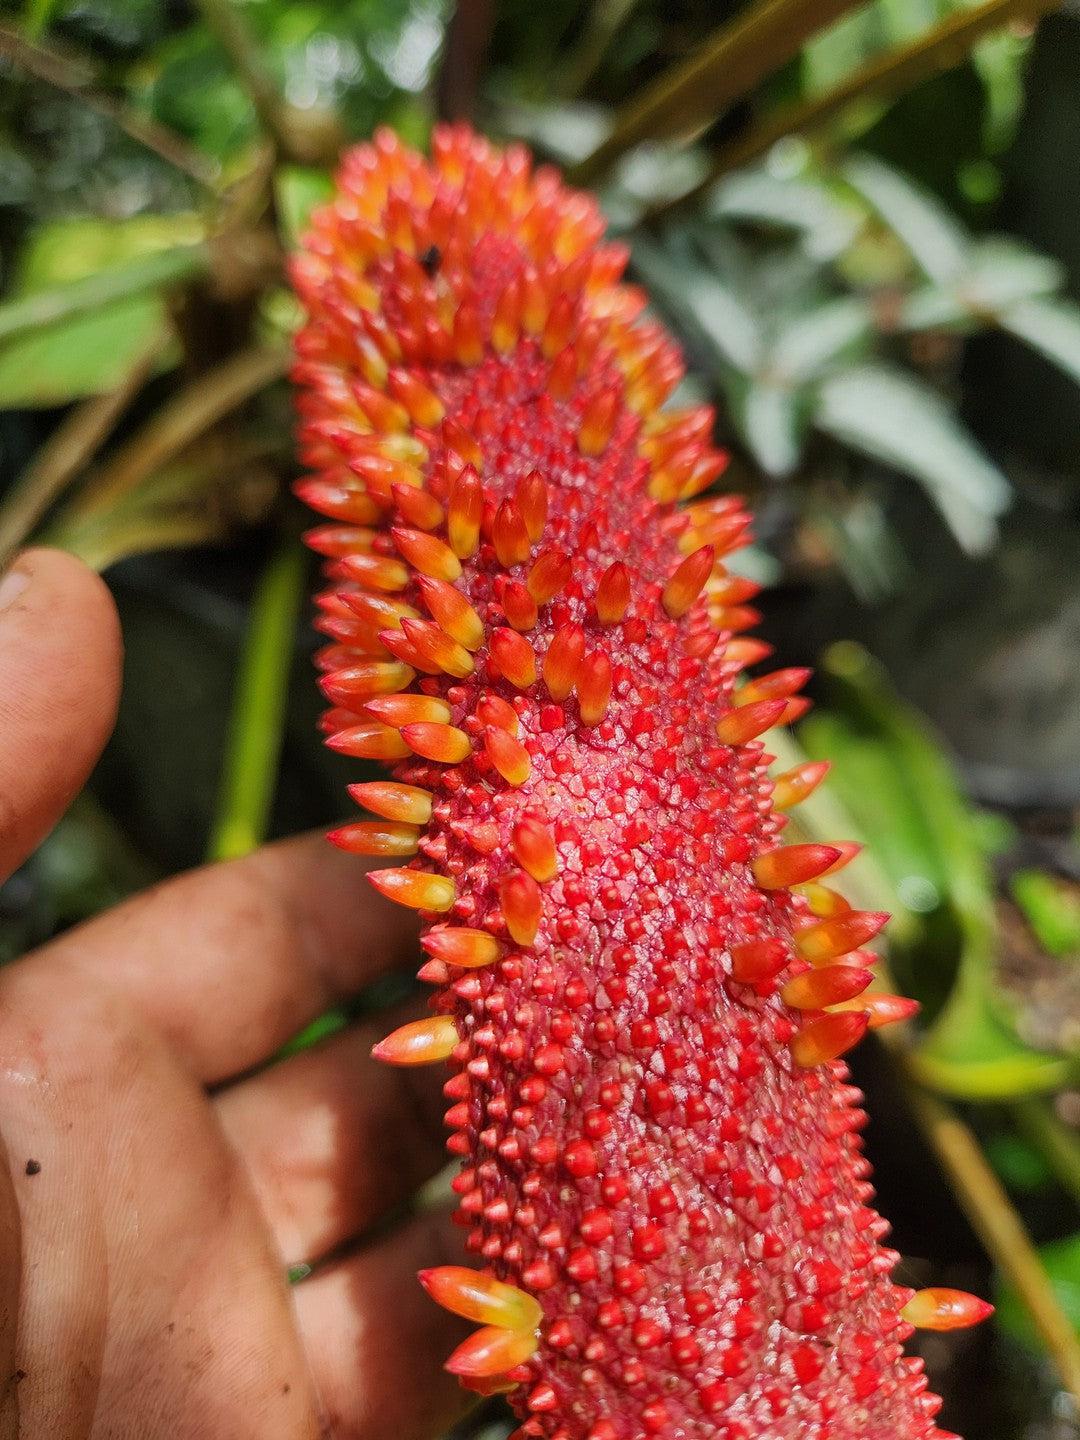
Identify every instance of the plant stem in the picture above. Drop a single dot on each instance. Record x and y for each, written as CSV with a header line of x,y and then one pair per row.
x,y
741,54
994,1219
184,418
941,48
236,39
464,53
67,452
606,17
73,78
258,713
62,302
1058,1145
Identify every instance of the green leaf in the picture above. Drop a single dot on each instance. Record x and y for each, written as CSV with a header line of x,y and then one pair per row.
x,y
1061,1259
298,190
905,19
903,423
767,415
1000,274
703,305
934,307
1003,272
79,357
806,346
1050,326
831,56
826,224
85,302
1051,908
900,789
937,242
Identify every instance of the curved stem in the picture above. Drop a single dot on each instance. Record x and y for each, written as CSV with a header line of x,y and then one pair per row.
x,y
182,420
67,452
740,55
995,1221
73,79
946,45
1058,1145
258,715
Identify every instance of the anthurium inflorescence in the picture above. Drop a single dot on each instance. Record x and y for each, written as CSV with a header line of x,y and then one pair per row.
x,y
642,993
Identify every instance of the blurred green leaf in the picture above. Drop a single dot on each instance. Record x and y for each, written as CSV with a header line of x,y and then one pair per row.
x,y
298,190
833,54
894,778
1017,1162
76,358
1052,909
937,242
825,222
1002,272
999,273
809,344
903,423
768,418
704,305
1050,326
1061,1259
84,303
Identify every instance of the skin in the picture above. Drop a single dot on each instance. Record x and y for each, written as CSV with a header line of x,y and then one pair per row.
x,y
176,1175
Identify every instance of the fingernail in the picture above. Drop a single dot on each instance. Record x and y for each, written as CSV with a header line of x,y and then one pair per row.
x,y
12,586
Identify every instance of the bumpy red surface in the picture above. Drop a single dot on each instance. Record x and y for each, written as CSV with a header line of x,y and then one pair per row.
x,y
641,1150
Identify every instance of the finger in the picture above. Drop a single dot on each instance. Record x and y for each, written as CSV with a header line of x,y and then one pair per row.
x,y
333,1140
59,683
231,961
377,1343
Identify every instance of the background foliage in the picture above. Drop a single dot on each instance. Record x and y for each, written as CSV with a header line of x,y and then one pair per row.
x,y
863,223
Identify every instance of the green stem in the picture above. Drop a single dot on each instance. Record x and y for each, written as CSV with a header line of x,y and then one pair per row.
x,y
1058,1145
181,422
255,731
994,1219
92,292
740,55
74,77
234,37
67,452
942,47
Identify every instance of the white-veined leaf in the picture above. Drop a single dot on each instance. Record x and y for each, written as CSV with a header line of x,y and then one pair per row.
x,y
812,342
703,305
903,423
1050,326
1003,272
937,243
769,421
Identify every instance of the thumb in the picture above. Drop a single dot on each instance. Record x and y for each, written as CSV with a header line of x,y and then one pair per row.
x,y
59,684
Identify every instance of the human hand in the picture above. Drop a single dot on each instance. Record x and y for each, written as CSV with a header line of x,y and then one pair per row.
x,y
158,1183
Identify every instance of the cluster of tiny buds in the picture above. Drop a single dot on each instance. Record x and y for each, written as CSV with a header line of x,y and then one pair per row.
x,y
644,995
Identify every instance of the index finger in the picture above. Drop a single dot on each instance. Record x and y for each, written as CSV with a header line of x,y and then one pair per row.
x,y
230,961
